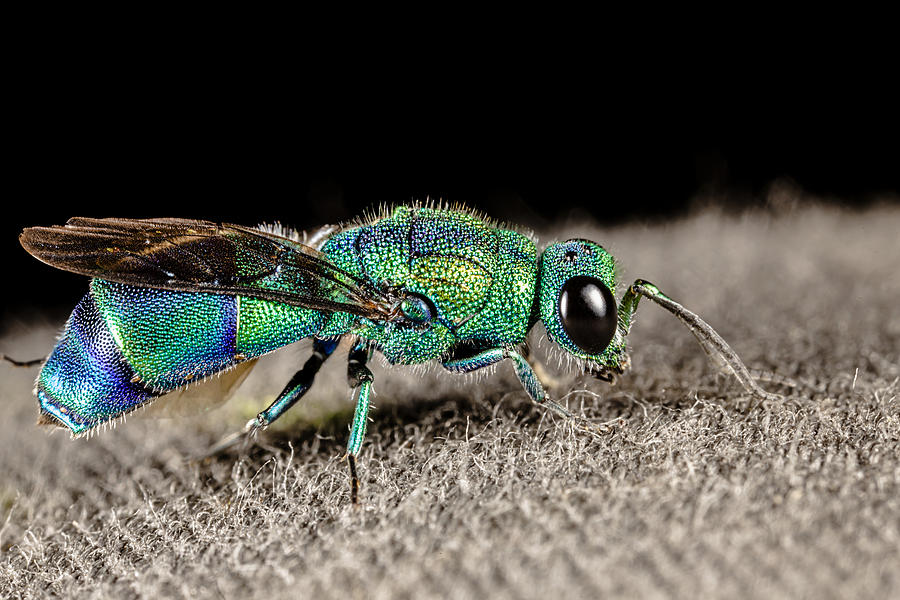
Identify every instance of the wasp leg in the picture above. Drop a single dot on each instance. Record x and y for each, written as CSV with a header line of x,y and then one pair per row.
x,y
360,380
467,364
22,363
711,342
293,391
526,376
296,387
533,386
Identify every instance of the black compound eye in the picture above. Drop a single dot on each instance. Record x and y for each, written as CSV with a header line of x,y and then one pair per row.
x,y
417,309
588,313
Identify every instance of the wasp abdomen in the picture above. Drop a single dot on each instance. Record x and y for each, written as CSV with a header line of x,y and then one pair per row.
x,y
86,380
125,345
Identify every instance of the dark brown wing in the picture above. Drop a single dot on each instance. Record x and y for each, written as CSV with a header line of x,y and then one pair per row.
x,y
200,256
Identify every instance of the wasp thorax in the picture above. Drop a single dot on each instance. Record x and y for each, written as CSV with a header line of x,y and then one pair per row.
x,y
587,310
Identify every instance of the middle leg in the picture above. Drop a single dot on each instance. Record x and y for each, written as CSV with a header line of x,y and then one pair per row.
x,y
360,380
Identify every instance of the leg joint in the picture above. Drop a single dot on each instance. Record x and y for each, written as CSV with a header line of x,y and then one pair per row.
x,y
358,375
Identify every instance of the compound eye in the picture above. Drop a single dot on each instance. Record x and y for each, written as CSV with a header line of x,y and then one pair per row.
x,y
417,309
588,313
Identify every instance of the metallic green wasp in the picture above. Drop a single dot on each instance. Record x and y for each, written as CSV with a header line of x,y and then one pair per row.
x,y
175,301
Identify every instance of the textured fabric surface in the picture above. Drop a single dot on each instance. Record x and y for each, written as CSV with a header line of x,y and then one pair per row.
x,y
471,492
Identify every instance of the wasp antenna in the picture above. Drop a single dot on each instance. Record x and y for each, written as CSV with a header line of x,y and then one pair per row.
x,y
789,382
714,345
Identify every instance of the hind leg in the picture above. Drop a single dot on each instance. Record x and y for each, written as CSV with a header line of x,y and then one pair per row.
x,y
299,384
22,363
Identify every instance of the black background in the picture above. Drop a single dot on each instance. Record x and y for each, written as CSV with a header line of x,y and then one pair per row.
x,y
218,138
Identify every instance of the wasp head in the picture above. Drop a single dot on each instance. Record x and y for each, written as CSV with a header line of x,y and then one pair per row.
x,y
577,306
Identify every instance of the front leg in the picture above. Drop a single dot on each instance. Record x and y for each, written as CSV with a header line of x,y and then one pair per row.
x,y
524,372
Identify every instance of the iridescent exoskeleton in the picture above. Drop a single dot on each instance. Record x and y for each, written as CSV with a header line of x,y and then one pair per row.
x,y
174,301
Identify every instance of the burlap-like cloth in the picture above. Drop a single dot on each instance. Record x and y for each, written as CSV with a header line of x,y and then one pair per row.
x,y
471,492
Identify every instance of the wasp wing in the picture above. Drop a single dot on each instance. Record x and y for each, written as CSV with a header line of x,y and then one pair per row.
x,y
201,256
203,396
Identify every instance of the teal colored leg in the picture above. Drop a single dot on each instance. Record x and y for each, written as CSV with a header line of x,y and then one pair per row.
x,y
467,364
712,343
360,417
360,379
293,391
524,371
297,386
533,386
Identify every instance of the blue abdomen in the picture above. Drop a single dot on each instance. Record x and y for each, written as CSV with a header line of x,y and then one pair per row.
x,y
125,345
